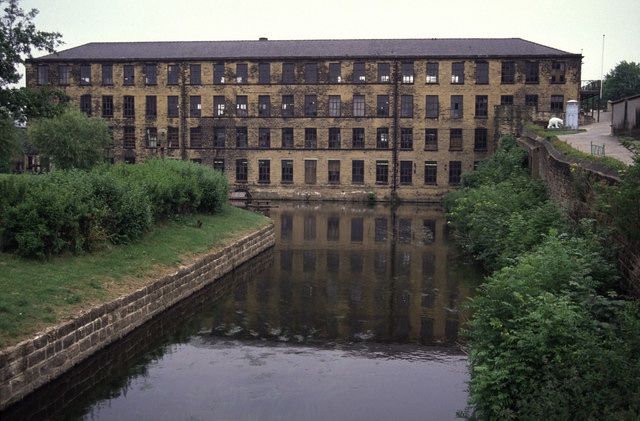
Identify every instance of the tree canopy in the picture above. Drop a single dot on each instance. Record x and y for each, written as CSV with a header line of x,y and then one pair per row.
x,y
71,140
622,81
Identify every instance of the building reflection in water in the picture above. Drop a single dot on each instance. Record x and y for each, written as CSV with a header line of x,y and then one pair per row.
x,y
347,272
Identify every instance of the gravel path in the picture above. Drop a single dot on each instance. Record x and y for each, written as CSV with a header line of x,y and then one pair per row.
x,y
599,134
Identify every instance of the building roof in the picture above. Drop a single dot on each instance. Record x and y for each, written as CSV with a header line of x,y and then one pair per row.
x,y
629,98
299,49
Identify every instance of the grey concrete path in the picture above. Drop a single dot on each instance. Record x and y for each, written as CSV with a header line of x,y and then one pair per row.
x,y
599,134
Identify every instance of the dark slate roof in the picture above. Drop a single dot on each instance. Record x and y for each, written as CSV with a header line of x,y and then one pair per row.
x,y
294,49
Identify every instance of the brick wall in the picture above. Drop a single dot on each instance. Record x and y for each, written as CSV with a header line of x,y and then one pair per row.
x,y
35,362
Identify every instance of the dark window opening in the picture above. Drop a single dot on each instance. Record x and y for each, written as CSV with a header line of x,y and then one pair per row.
x,y
430,173
128,73
457,72
287,171
107,106
433,106
195,106
287,137
531,72
288,73
482,72
242,107
172,106
406,106
382,106
173,74
384,72
264,73
455,172
310,166
310,106
335,73
150,74
195,74
310,138
357,171
129,137
455,140
334,172
219,137
406,172
128,106
508,74
480,139
482,106
382,138
406,138
173,137
241,170
242,73
456,106
241,137
431,139
406,70
218,73
151,106
358,138
195,137
334,138
382,172
85,104
85,74
359,72
432,72
311,73
107,74
264,171
287,106
264,105
264,138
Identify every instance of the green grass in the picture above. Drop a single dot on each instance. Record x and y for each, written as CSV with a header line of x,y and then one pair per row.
x,y
35,294
630,143
565,148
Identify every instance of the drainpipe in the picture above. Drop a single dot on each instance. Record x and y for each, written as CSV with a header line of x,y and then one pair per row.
x,y
183,111
394,131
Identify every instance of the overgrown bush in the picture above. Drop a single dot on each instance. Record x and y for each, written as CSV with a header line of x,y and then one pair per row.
x,y
75,211
622,203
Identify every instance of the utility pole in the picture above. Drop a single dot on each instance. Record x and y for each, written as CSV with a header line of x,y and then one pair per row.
x,y
601,77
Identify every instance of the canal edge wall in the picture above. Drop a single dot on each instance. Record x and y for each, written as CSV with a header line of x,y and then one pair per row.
x,y
36,361
571,184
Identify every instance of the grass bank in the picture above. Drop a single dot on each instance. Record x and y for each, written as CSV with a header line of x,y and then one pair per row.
x,y
37,294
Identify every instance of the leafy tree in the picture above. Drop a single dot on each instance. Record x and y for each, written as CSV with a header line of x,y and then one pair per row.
x,y
622,81
8,142
71,140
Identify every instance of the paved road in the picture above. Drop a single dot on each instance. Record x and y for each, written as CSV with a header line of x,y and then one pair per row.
x,y
599,134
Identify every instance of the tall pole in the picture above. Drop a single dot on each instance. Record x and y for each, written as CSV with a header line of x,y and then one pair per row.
x,y
601,77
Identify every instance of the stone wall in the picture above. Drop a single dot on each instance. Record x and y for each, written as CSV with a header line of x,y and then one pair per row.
x,y
571,183
36,361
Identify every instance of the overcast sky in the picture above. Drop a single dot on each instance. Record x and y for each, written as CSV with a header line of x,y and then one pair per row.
x,y
575,26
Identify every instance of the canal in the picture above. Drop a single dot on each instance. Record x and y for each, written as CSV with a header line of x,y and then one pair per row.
x,y
355,314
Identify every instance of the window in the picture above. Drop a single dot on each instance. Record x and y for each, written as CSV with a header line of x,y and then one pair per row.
x,y
457,72
384,72
531,101
194,74
432,72
334,172
241,137
382,106
288,73
382,138
172,106
264,171
310,106
334,105
311,73
195,106
218,165
241,106
406,106
333,228
359,72
129,137
335,73
310,138
85,74
218,105
557,102
531,72
151,137
128,106
128,74
430,173
382,172
482,106
506,99
85,104
287,171
358,138
241,170
264,137
558,69
334,138
242,73
455,140
456,106
43,74
482,72
480,140
406,172
107,74
173,137
433,106
107,106
407,72
508,72
195,137
151,106
357,171
264,73
287,106
431,139
173,74
406,138
264,105
287,137
63,74
455,171
150,74
219,137
218,73
310,166
358,105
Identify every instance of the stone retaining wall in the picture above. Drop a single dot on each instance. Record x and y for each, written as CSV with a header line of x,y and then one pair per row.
x,y
36,361
571,183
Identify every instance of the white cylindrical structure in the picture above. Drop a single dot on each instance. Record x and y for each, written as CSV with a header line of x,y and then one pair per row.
x,y
572,114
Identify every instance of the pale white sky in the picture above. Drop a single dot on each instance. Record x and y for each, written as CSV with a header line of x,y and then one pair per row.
x,y
575,26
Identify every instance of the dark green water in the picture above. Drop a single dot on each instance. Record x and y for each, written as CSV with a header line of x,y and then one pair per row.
x,y
355,314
